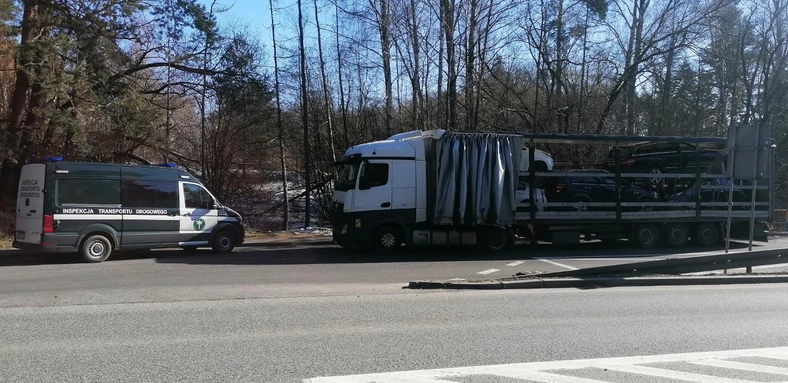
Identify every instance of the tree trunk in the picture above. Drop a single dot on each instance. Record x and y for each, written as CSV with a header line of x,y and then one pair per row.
x,y
447,8
19,102
280,128
384,27
415,79
667,92
339,73
482,53
633,59
304,117
443,111
470,52
326,102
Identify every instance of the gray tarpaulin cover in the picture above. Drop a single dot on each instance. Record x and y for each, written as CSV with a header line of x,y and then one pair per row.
x,y
477,178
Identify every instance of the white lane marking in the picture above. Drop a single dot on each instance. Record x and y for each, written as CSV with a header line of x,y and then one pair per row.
x,y
488,271
742,366
670,374
515,263
556,263
606,257
457,279
550,371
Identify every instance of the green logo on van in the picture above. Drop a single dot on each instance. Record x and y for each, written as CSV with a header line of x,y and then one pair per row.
x,y
198,224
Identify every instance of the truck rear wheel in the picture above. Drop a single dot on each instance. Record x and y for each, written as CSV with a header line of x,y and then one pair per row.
x,y
95,248
496,239
677,235
646,235
707,234
387,238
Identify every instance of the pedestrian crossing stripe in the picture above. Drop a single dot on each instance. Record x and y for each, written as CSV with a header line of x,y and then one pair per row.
x,y
554,371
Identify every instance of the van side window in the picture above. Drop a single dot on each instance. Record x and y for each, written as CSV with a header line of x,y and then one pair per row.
x,y
375,174
80,191
162,194
195,197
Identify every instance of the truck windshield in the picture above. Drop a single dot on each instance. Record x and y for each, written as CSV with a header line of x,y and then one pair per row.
x,y
347,173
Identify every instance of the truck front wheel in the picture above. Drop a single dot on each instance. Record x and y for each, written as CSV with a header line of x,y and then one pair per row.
x,y
387,238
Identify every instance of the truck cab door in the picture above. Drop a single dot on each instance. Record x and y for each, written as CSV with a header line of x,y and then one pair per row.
x,y
374,188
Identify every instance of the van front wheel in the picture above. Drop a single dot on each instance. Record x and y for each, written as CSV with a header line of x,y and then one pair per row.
x,y
95,248
223,242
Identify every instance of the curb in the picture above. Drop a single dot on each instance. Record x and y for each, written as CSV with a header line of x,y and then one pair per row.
x,y
537,283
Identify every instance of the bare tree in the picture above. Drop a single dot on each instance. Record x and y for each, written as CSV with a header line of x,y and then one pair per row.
x,y
448,17
326,91
383,17
304,116
280,128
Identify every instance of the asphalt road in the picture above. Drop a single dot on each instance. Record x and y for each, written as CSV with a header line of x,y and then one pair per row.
x,y
297,338
265,270
268,314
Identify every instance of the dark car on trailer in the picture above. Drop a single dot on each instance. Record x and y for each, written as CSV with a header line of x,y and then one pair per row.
x,y
665,157
713,190
583,186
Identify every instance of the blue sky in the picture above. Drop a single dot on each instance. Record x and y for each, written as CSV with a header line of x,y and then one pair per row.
x,y
252,13
256,16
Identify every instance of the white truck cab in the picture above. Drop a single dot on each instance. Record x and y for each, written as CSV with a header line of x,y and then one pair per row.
x,y
382,194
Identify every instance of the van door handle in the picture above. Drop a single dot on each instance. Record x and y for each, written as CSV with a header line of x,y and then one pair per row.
x,y
385,204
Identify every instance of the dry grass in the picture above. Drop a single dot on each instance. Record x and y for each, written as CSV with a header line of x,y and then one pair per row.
x,y
5,241
281,235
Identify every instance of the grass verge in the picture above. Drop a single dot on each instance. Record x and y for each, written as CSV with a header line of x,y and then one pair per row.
x,y
5,241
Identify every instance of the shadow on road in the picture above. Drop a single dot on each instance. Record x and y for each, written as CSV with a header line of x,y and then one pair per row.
x,y
274,254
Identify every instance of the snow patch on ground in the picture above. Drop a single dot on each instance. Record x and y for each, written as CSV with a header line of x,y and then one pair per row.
x,y
263,210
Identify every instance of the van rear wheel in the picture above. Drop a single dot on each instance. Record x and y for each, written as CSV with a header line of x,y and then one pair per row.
x,y
95,248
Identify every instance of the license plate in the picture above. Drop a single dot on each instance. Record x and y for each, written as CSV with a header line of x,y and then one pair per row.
x,y
20,235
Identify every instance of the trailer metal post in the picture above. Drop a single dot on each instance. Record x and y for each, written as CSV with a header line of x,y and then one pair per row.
x,y
754,187
531,187
617,156
752,211
697,182
771,180
730,189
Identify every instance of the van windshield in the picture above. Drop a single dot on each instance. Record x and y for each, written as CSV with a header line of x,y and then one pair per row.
x,y
347,173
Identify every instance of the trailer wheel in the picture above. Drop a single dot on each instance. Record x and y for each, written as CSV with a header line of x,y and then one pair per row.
x,y
647,235
707,234
496,239
677,235
387,238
